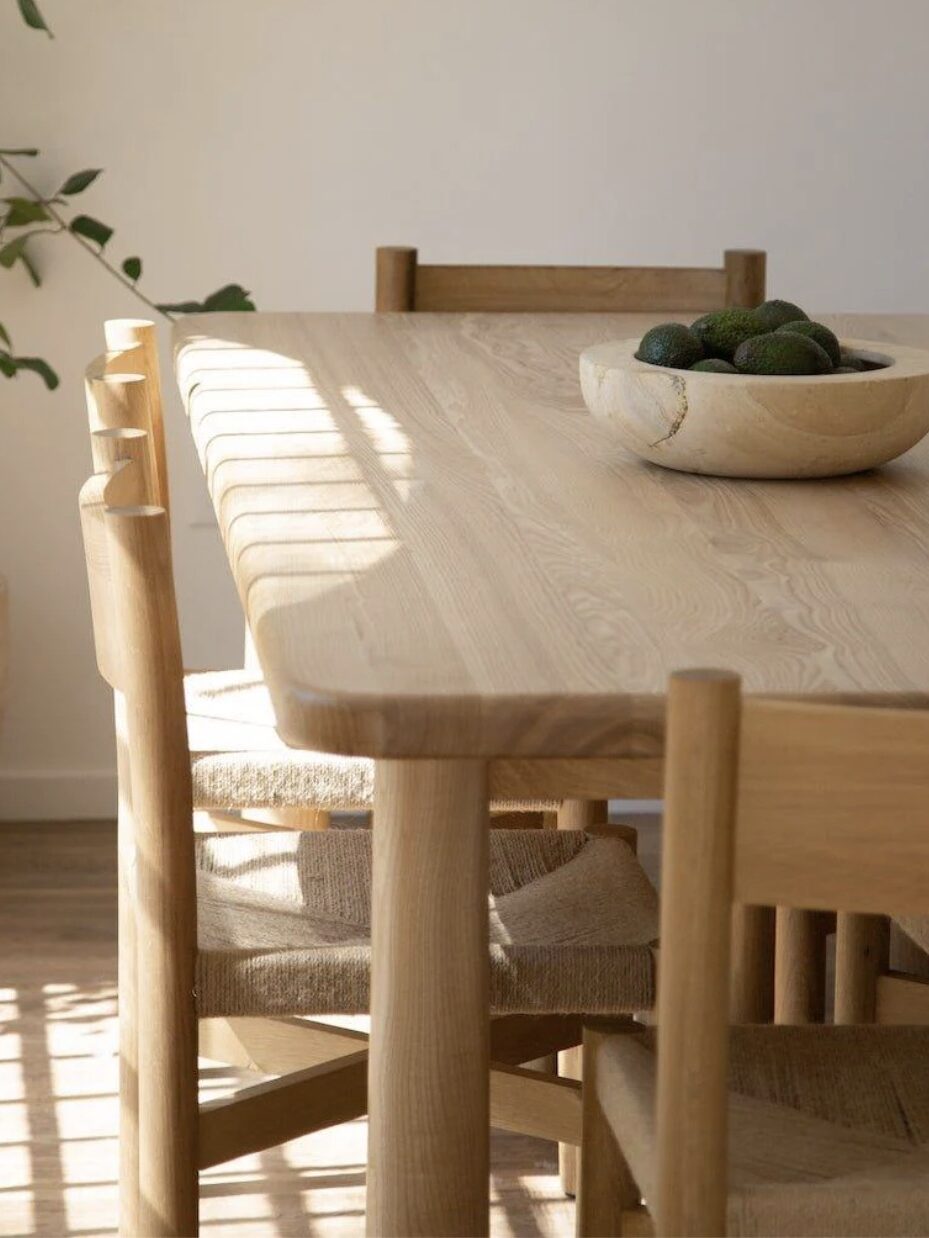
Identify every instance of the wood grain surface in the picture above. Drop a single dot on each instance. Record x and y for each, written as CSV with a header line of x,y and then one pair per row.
x,y
441,554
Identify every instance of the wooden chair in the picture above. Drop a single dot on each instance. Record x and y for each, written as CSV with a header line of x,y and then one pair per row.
x,y
771,1130
239,763
249,933
405,284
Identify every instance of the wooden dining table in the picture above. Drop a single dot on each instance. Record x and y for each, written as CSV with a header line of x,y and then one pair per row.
x,y
447,565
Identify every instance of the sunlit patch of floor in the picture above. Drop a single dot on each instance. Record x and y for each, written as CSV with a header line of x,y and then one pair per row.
x,y
59,1110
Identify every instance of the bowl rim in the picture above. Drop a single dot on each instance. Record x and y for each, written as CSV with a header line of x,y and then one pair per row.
x,y
904,361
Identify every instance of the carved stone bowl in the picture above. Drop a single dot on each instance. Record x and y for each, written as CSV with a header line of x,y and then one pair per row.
x,y
752,425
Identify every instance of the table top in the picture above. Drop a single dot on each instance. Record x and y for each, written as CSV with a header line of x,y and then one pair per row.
x,y
440,553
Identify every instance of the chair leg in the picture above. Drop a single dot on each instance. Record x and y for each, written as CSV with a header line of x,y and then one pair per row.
x,y
575,815
168,1119
861,948
800,966
127,995
606,1187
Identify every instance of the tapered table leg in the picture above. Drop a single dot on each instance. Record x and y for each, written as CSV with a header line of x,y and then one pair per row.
x,y
428,1141
575,815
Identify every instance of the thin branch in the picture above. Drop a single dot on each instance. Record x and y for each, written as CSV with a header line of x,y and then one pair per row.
x,y
95,254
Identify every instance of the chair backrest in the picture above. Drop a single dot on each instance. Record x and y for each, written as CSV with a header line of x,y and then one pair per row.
x,y
770,802
131,361
131,580
404,283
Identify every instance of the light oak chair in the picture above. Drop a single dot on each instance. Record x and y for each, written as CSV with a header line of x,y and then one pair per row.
x,y
249,933
404,284
239,763
768,1130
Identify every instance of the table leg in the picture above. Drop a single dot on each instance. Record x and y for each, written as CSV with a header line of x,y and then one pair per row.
x,y
575,815
428,1140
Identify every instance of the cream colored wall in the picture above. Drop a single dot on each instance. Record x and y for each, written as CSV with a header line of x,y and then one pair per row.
x,y
278,143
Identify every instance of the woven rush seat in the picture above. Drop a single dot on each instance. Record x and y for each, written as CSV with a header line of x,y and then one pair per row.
x,y
284,924
828,1126
238,760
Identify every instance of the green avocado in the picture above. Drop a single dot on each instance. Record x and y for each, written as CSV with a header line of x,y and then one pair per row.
x,y
714,365
782,353
671,344
773,314
723,331
822,335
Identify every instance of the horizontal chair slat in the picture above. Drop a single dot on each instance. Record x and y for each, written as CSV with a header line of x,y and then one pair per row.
x,y
540,289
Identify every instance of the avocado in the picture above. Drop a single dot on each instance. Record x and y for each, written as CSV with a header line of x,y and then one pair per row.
x,y
722,332
782,353
816,331
670,344
773,314
714,365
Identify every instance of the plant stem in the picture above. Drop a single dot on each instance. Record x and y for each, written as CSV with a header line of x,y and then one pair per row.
x,y
94,253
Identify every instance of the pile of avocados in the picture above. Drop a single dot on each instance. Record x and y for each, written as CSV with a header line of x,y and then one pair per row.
x,y
775,338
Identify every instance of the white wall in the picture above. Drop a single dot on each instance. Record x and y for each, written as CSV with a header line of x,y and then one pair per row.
x,y
277,143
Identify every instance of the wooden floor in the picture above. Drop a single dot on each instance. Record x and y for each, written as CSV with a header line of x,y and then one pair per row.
x,y
58,1103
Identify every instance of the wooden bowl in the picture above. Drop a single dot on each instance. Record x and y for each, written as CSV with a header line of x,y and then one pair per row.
x,y
752,425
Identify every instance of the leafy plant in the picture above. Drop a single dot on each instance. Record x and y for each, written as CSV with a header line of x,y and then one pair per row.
x,y
28,214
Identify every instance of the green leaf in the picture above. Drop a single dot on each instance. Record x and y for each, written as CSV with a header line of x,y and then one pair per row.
x,y
133,268
7,365
22,150
5,336
15,251
31,269
80,181
24,211
12,251
32,17
92,229
181,307
40,367
230,297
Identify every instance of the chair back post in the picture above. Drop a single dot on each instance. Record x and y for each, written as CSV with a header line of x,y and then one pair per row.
x,y
151,679
140,336
120,402
124,455
395,283
746,274
122,478
693,999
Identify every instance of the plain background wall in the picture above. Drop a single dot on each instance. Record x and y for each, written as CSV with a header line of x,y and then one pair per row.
x,y
278,143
